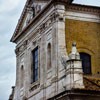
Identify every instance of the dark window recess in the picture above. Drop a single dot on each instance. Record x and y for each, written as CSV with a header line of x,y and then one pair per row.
x,y
35,65
22,76
86,63
33,9
49,56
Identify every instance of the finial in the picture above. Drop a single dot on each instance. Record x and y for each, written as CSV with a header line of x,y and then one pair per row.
x,y
74,44
74,49
74,53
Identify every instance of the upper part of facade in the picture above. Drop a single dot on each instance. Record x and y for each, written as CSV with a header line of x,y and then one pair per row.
x,y
48,64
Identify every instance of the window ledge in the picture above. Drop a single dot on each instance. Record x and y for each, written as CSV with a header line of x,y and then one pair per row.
x,y
34,85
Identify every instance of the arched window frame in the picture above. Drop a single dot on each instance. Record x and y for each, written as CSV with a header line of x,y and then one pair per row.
x,y
86,62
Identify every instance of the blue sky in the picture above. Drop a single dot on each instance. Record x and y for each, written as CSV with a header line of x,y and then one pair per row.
x,y
10,11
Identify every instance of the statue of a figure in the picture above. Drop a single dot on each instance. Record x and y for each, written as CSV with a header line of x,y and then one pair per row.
x,y
33,9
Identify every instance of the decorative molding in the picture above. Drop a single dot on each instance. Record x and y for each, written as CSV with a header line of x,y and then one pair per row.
x,y
34,87
54,79
45,25
20,49
19,32
83,8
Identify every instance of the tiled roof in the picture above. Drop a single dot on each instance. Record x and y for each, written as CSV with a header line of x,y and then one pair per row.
x,y
91,83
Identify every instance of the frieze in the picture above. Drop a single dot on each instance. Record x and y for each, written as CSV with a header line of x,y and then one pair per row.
x,y
51,19
20,49
83,8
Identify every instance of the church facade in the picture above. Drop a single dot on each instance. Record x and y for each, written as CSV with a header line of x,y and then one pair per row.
x,y
57,51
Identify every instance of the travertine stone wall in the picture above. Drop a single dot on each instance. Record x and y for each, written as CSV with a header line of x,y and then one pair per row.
x,y
50,29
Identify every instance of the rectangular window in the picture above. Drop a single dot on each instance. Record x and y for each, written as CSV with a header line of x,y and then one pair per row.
x,y
35,65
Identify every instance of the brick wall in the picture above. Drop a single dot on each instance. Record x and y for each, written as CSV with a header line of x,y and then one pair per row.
x,y
87,36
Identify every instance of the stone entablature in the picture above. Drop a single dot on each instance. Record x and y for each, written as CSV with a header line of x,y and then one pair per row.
x,y
41,28
18,30
71,7
84,9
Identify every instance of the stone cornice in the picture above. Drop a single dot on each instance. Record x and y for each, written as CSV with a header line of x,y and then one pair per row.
x,y
84,8
72,7
17,32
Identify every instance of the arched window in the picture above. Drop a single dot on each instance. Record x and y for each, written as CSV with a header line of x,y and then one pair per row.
x,y
49,56
22,76
86,63
35,62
